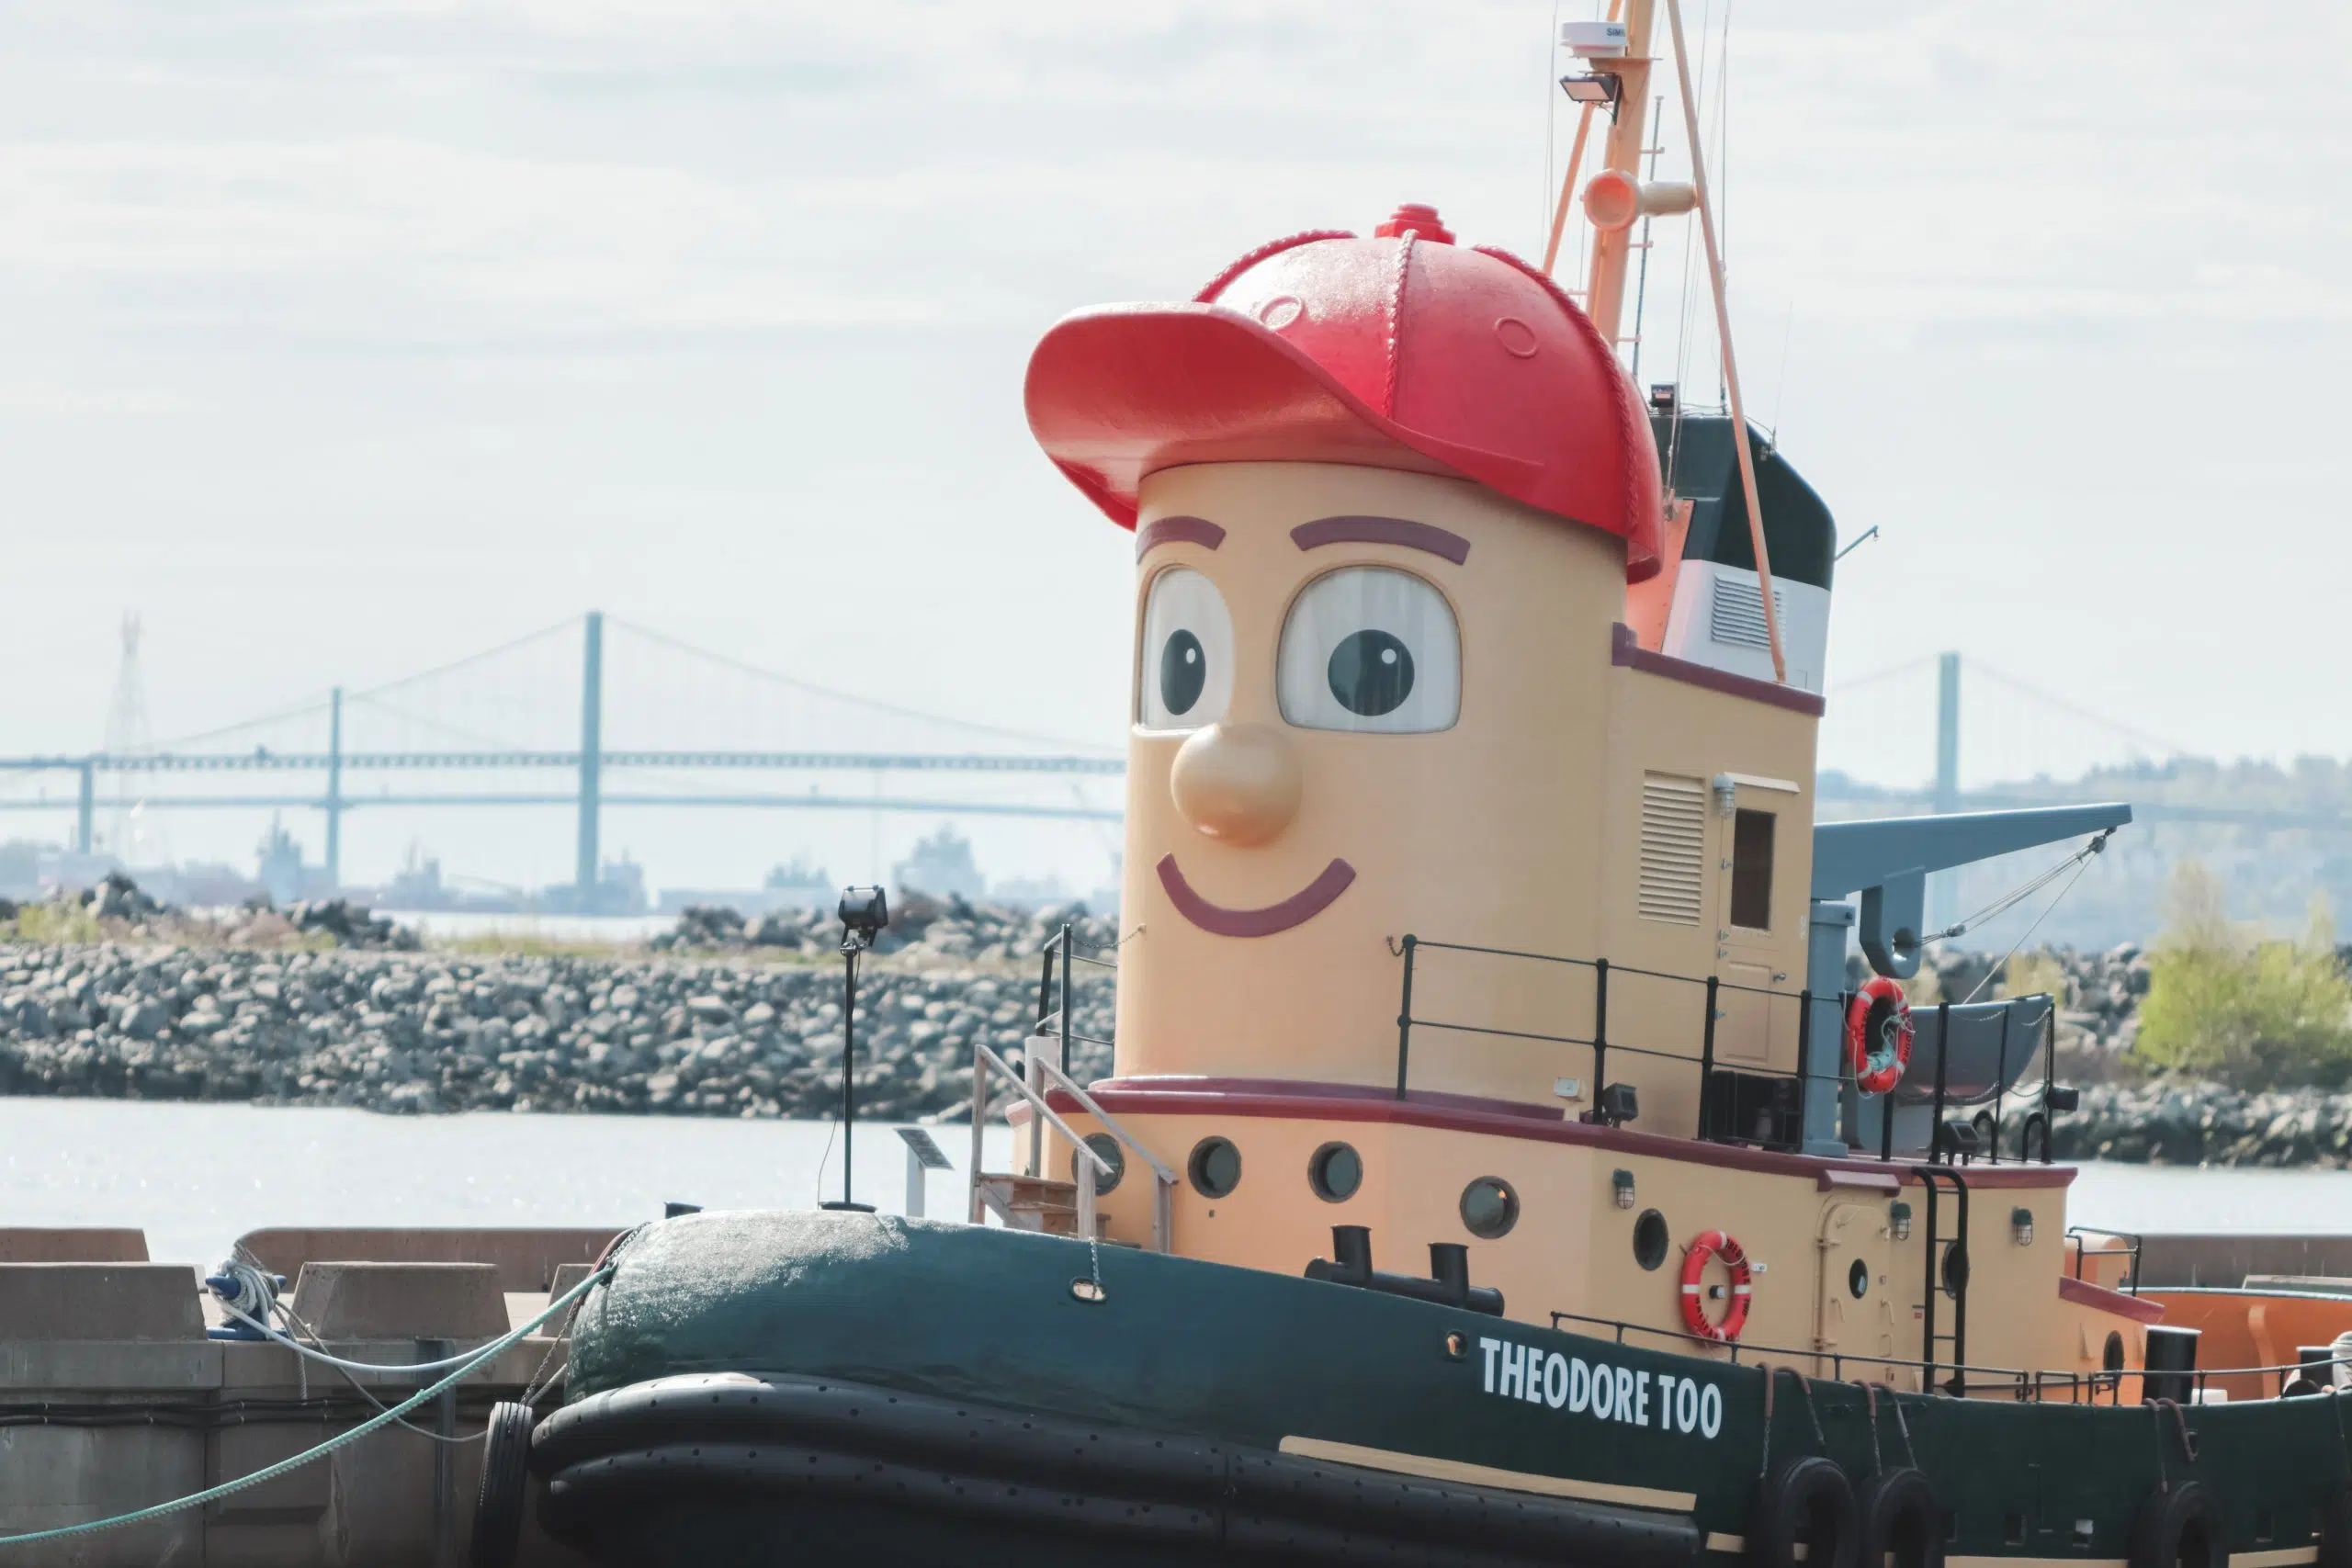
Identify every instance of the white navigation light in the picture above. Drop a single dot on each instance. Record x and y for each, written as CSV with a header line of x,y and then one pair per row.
x,y
1594,41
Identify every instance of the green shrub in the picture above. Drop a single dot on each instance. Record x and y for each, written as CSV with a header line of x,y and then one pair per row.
x,y
2253,1014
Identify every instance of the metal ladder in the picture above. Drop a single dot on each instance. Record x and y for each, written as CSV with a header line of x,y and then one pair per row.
x,y
1947,1273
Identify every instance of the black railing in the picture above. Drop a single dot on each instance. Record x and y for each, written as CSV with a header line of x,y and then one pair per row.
x,y
2027,1386
1712,989
1062,950
1724,1116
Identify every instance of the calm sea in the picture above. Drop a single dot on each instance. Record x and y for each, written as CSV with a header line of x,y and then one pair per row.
x,y
198,1176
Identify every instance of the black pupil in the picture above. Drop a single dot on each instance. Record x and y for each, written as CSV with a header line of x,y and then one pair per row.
x,y
1184,670
1371,671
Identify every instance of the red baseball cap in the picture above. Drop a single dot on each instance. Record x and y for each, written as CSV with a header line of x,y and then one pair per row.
x,y
1403,351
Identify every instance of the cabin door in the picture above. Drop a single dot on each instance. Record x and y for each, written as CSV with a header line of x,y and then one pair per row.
x,y
1852,1313
1754,1026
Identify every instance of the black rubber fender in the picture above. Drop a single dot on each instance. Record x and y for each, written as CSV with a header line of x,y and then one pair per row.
x,y
2335,1527
1902,1524
1807,1502
505,1485
2179,1527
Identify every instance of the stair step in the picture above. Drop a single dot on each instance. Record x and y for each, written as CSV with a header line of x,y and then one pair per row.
x,y
1035,1203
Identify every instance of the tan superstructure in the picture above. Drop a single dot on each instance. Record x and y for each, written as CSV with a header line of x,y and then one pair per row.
x,y
1590,799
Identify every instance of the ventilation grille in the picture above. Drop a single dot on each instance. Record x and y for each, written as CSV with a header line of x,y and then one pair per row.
x,y
1737,617
1674,846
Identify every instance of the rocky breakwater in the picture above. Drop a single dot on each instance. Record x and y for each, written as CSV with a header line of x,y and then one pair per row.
x,y
2192,1123
425,1032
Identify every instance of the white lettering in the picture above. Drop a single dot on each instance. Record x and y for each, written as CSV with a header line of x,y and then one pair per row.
x,y
1556,1379
1579,1385
1605,1392
1625,1394
1642,1402
1711,1410
1490,1346
1514,1383
1685,1405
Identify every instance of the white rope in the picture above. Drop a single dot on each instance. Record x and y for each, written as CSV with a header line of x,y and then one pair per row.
x,y
268,1473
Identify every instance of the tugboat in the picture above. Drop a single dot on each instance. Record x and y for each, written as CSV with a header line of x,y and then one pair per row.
x,y
1473,903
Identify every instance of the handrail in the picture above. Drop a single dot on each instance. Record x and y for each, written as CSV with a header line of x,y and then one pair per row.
x,y
1086,1172
1038,1102
2007,1375
1163,1176
1708,1058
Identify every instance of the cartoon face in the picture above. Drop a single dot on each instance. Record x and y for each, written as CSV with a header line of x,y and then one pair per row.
x,y
1365,703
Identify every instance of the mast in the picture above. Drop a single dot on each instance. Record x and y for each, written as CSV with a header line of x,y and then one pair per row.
x,y
1617,196
1722,330
1604,298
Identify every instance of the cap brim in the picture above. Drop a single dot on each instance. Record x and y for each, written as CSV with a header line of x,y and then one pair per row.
x,y
1120,391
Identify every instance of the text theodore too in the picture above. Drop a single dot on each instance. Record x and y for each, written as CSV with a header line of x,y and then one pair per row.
x,y
1636,1398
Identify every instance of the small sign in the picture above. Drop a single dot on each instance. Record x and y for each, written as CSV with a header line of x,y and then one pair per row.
x,y
924,1148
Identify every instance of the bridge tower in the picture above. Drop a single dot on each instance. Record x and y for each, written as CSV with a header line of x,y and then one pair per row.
x,y
585,870
1943,891
136,835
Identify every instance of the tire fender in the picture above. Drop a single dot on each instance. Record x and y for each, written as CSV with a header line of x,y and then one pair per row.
x,y
505,1481
1806,1501
2179,1529
1901,1523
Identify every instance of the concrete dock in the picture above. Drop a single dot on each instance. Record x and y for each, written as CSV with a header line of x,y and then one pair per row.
x,y
112,1398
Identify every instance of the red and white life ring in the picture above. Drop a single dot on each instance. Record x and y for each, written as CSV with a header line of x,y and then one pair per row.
x,y
1713,1244
1878,1035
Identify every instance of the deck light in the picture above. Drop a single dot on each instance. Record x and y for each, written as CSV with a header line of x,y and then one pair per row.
x,y
1593,87
863,911
1621,1184
2021,1226
1898,1220
1619,1103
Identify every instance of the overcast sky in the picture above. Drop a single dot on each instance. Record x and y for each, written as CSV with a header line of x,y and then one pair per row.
x,y
340,339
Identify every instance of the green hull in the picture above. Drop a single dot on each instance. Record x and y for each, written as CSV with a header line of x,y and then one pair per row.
x,y
1250,1372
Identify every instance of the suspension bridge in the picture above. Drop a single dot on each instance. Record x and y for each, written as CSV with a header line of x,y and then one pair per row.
x,y
569,718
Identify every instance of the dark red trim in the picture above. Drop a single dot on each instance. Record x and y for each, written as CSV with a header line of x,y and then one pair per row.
x,y
1626,651
1401,531
2099,1297
1468,1114
1178,531
1217,921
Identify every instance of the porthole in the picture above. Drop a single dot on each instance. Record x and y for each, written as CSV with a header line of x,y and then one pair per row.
x,y
1650,1239
1113,1154
1489,1208
1335,1172
1215,1167
1858,1279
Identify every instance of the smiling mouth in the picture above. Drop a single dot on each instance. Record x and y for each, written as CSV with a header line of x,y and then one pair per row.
x,y
1218,920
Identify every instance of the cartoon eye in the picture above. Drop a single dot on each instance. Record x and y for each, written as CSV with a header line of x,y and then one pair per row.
x,y
1186,671
1369,649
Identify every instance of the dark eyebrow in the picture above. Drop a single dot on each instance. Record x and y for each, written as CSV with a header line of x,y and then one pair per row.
x,y
1178,531
1402,531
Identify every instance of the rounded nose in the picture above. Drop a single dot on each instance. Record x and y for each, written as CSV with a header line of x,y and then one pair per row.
x,y
1236,782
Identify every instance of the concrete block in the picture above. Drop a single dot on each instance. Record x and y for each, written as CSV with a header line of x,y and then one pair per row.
x,y
401,1301
69,1475
526,1258
99,1301
73,1244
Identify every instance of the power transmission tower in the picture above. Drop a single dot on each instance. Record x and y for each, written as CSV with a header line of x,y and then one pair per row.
x,y
136,836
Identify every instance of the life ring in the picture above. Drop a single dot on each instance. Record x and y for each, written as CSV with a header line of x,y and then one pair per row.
x,y
1710,1245
1878,1035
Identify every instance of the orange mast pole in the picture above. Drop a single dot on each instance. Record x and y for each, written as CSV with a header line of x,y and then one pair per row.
x,y
1568,180
1722,330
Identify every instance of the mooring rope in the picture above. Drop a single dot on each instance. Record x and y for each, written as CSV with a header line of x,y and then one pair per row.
x,y
198,1499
